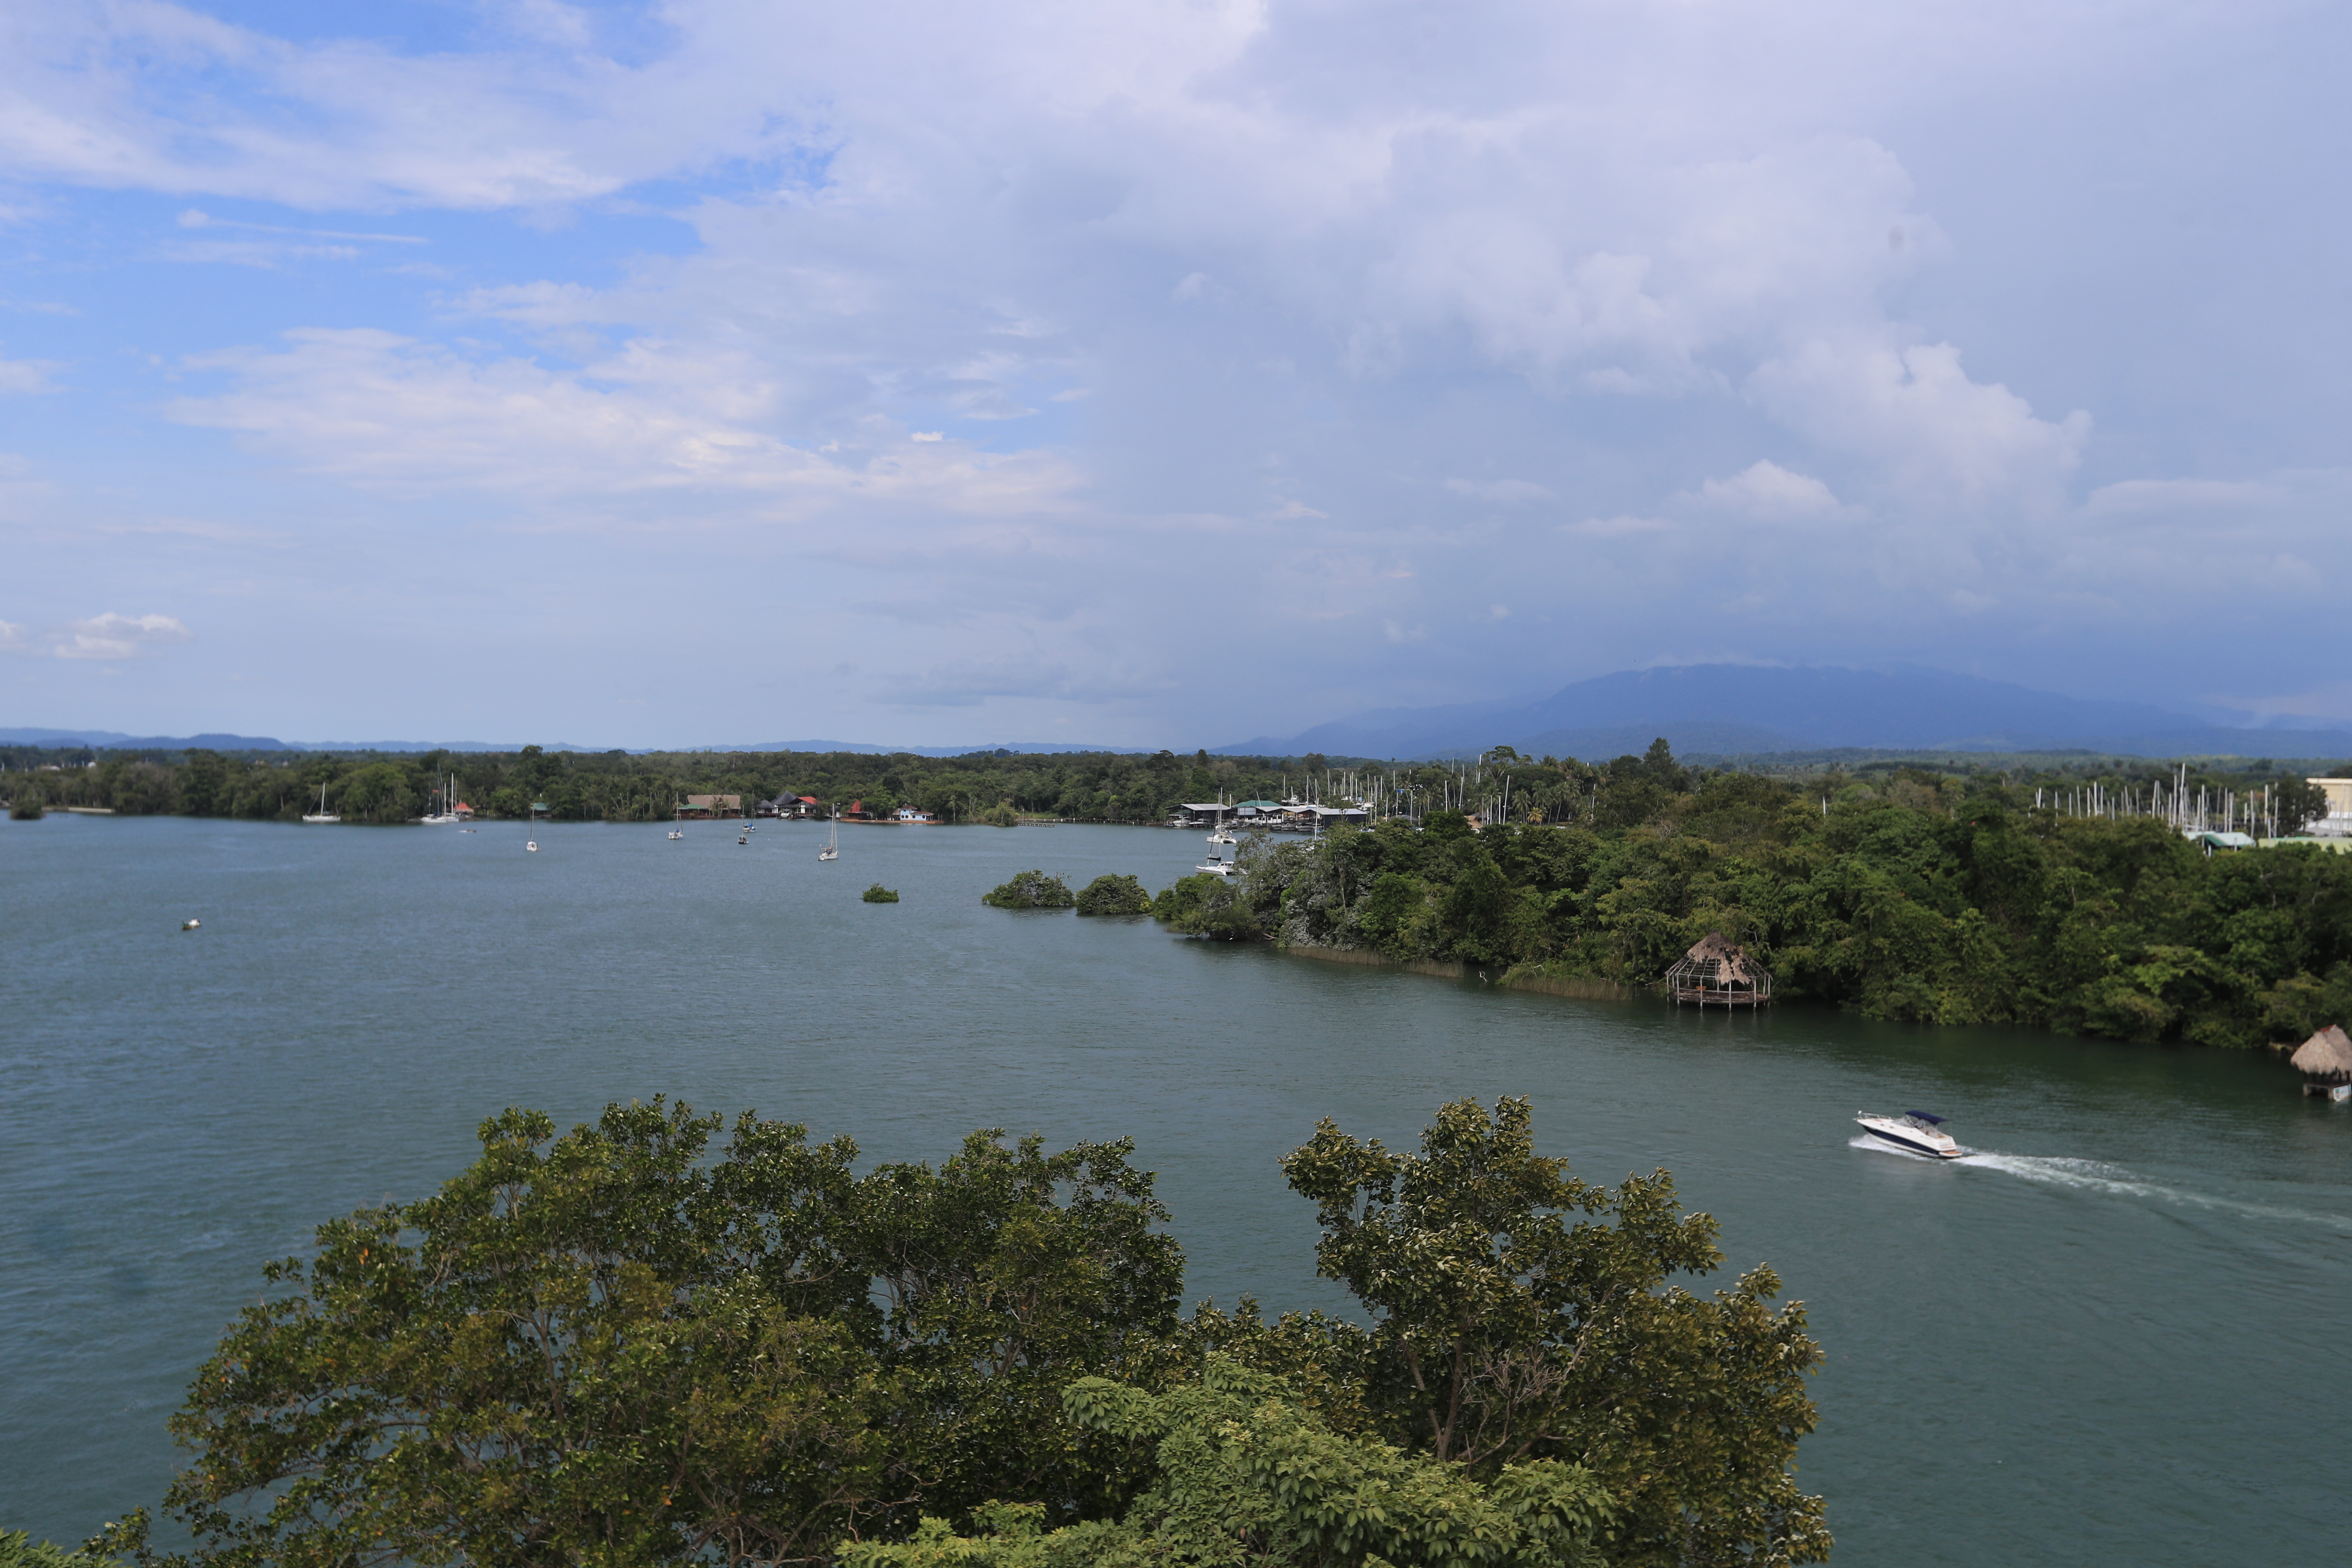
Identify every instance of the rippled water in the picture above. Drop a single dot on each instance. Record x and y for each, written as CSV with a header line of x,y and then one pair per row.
x,y
2110,1336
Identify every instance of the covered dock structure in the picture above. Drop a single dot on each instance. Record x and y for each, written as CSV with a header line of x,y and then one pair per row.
x,y
2325,1060
1717,973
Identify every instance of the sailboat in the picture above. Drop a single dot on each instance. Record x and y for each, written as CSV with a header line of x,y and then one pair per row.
x,y
832,850
322,814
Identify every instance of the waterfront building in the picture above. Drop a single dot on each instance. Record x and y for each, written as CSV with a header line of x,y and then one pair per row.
x,y
2339,820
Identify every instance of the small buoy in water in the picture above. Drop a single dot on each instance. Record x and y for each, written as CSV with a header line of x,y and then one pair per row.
x,y
190,925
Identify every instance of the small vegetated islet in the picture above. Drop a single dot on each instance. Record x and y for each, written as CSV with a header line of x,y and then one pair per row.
x,y
1114,895
1031,890
879,894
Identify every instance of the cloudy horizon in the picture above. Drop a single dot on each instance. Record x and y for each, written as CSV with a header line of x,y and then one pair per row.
x,y
1155,374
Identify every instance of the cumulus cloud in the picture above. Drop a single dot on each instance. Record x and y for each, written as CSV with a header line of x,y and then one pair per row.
x,y
1916,415
112,635
1764,492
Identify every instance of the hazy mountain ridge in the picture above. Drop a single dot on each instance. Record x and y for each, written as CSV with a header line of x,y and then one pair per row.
x,y
117,741
1733,710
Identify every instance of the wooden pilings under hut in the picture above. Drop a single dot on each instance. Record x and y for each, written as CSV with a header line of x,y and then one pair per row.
x,y
1717,973
2325,1060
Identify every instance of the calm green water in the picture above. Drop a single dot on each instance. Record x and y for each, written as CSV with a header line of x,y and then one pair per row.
x,y
2114,1337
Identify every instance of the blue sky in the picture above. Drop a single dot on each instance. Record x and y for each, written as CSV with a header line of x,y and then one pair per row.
x,y
1155,374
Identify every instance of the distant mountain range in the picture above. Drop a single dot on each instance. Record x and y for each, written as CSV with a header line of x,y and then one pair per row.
x,y
116,741
1731,709
1703,709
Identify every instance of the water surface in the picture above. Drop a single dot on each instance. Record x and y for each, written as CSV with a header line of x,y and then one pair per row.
x,y
2109,1337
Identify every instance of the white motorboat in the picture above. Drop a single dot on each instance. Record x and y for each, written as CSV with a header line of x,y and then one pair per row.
x,y
1914,1132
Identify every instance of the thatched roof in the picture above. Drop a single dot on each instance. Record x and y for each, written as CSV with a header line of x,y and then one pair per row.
x,y
2327,1056
1730,954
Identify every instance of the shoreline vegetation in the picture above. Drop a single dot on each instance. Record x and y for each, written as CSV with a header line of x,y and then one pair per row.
x,y
661,1340
1991,896
1938,901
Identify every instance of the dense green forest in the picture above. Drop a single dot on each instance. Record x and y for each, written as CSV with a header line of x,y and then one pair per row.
x,y
639,1345
1937,899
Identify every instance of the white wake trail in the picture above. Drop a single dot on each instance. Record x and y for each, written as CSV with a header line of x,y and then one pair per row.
x,y
2114,1180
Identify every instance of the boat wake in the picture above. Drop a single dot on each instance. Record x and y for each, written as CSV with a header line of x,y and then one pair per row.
x,y
2114,1181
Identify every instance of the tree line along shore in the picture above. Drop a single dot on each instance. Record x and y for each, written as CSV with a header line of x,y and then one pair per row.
x,y
389,788
1894,891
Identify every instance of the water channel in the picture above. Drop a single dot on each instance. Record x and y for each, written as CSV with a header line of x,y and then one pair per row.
x,y
2110,1336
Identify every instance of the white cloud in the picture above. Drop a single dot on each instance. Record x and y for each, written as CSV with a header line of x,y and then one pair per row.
x,y
385,412
12,636
25,375
1617,527
2204,497
1913,414
112,635
1504,491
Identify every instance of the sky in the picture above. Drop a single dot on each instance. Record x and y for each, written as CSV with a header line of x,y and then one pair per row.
x,y
1156,374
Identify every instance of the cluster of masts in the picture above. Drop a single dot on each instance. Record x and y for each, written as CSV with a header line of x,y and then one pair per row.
x,y
2190,811
1465,788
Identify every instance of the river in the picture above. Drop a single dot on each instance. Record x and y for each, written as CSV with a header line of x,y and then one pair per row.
x,y
2110,1336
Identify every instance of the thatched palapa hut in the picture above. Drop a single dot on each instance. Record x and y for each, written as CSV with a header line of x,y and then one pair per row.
x,y
1718,970
2325,1060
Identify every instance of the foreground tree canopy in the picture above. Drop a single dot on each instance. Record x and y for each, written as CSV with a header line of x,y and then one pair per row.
x,y
624,1346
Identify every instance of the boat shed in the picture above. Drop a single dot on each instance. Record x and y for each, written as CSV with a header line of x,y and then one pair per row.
x,y
1717,972
2325,1060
